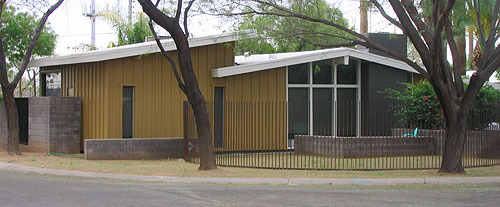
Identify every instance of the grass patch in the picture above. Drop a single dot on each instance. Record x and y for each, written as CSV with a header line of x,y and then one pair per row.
x,y
175,167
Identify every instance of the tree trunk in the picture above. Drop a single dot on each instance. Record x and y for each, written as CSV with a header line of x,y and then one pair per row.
x,y
207,161
197,101
12,121
192,90
454,145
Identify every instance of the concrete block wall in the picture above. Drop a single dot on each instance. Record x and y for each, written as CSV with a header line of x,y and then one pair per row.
x,y
134,149
356,147
38,124
65,125
54,125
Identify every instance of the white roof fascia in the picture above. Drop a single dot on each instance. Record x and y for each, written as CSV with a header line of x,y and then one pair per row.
x,y
136,49
345,53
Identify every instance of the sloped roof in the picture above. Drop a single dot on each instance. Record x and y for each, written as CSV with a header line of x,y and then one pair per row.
x,y
254,63
136,49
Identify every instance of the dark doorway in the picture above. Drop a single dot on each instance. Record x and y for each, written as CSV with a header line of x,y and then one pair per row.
x,y
22,110
219,117
128,112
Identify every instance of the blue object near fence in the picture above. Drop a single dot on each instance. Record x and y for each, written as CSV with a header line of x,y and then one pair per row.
x,y
412,135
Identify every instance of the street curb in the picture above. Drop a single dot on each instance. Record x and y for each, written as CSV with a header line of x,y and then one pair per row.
x,y
268,181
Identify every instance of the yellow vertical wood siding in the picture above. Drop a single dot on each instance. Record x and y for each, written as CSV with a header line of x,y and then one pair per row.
x,y
255,111
158,100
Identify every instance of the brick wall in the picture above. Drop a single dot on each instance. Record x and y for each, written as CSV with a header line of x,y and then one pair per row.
x,y
134,149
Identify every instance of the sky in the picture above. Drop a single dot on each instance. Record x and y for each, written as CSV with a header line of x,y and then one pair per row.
x,y
73,28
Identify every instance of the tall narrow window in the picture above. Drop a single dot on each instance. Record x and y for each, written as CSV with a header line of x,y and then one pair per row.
x,y
298,113
218,117
346,112
128,112
322,111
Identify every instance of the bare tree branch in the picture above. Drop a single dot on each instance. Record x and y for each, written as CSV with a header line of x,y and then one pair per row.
x,y
477,10
454,54
32,43
368,42
412,33
490,44
182,86
417,20
385,15
179,10
347,44
186,31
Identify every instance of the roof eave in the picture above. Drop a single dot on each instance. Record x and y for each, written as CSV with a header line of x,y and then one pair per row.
x,y
135,50
241,69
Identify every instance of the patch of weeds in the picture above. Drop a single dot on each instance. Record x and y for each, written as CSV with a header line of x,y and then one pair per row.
x,y
63,155
33,159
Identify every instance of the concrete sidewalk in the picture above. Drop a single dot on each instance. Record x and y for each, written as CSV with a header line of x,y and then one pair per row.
x,y
269,181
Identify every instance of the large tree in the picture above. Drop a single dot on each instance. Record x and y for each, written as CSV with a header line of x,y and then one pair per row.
x,y
9,86
278,34
17,32
431,36
177,26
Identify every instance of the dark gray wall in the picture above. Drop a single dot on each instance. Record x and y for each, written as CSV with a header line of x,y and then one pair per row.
x,y
395,42
376,111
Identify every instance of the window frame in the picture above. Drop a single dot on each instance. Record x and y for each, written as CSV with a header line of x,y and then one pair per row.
x,y
335,87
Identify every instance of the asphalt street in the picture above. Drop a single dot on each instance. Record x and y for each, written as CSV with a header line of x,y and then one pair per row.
x,y
32,189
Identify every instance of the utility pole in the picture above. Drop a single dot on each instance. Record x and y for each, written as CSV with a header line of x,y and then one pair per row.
x,y
363,14
130,11
92,15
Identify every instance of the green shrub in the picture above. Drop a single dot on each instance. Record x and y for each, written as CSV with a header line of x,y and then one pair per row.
x,y
419,107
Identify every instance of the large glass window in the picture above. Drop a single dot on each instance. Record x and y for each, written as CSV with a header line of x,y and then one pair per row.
x,y
323,99
322,72
347,74
347,111
322,111
298,111
298,74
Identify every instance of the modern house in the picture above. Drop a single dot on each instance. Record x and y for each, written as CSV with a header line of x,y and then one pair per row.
x,y
130,91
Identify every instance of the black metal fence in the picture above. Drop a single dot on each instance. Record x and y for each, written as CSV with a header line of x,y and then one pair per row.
x,y
331,136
